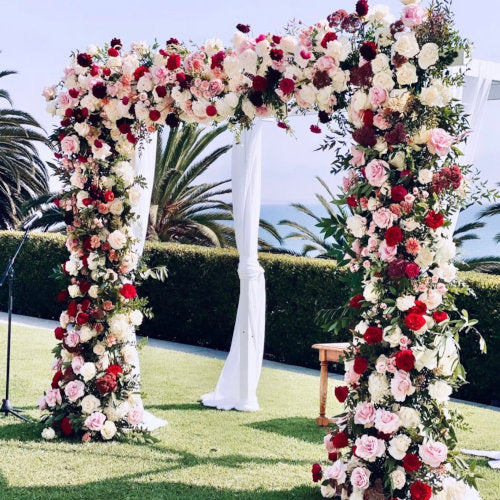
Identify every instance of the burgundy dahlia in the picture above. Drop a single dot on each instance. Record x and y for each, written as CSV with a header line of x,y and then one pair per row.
x,y
365,136
368,50
244,28
84,60
361,8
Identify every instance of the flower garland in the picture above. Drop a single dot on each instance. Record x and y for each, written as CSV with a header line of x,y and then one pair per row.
x,y
108,101
396,438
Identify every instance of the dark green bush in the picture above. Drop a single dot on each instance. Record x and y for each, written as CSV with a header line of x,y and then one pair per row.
x,y
197,303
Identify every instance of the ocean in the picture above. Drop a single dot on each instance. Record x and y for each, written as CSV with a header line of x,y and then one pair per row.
x,y
484,246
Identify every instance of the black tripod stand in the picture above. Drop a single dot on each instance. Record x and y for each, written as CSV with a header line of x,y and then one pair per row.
x,y
7,407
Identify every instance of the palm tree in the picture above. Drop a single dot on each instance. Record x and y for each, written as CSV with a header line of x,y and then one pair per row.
x,y
313,243
23,175
184,211
491,211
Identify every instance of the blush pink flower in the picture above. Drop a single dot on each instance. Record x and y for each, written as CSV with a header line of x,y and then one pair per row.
x,y
412,246
76,364
365,414
386,421
360,478
328,444
383,217
72,339
439,142
74,390
70,144
401,386
377,96
95,421
387,252
326,63
369,448
358,157
376,172
413,15
337,472
380,122
135,415
53,397
433,453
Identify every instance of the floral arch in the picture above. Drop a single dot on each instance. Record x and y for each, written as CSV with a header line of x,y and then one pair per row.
x,y
383,80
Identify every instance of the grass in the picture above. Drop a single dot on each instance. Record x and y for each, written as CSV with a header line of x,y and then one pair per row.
x,y
202,453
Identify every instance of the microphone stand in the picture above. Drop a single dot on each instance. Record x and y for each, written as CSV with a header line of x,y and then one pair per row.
x,y
7,406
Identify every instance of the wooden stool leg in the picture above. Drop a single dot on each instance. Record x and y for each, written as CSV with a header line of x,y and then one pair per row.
x,y
322,420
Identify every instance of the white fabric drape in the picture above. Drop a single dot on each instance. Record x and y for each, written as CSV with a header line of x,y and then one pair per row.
x,y
237,385
474,96
144,165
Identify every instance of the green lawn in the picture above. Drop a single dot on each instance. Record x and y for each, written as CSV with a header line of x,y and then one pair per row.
x,y
203,453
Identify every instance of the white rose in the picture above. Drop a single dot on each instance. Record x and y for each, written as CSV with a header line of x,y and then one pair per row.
x,y
86,333
431,298
409,225
307,94
81,195
425,258
404,302
92,50
117,240
425,358
360,101
409,2
124,170
90,404
116,207
128,353
99,349
398,160
108,430
378,387
327,491
440,391
288,43
398,446
383,37
430,96
407,74
392,334
249,109
356,225
136,317
88,371
380,63
425,176
398,478
380,14
448,361
370,292
48,433
93,291
120,327
384,80
406,44
447,272
82,129
134,195
428,56
445,251
410,418
74,291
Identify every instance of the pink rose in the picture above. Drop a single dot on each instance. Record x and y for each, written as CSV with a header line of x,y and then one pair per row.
x,y
72,339
328,444
326,63
53,397
95,421
433,453
413,15
386,421
360,478
369,448
76,363
376,172
337,472
358,157
74,390
70,144
64,100
401,386
351,377
439,142
194,63
377,96
365,414
387,252
215,87
42,403
135,415
380,122
160,75
383,217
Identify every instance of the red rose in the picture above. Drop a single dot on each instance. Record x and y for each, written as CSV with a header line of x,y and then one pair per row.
x,y
340,440
154,115
418,308
211,110
59,332
368,116
161,90
109,195
62,296
355,302
85,304
329,37
361,8
360,365
84,286
73,93
131,138
58,376
84,60
244,28
66,427
259,83
405,360
112,52
420,491
72,309
128,291
412,270
414,321
351,201
218,60
398,193
393,236
287,85
439,316
411,462
140,71
434,219
114,370
99,90
282,125
276,54
106,71
373,335
82,318
173,62
368,50
315,129
341,392
106,384
333,456
94,71
317,472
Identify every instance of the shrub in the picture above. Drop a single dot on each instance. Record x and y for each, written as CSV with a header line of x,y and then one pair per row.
x,y
197,303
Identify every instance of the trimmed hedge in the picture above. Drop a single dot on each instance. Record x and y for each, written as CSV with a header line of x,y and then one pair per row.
x,y
197,303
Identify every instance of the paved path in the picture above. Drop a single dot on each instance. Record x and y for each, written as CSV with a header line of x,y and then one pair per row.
x,y
48,324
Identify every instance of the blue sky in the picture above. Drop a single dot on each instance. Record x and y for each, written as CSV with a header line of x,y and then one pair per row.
x,y
37,37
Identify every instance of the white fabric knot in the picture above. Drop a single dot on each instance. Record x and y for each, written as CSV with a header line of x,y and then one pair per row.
x,y
249,268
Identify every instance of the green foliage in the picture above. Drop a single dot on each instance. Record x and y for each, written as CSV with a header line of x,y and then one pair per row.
x,y
197,303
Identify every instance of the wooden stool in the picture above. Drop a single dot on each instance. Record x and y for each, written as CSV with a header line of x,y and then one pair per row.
x,y
327,353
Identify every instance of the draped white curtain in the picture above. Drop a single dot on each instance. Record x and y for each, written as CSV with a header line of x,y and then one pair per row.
x,y
474,96
237,385
144,165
